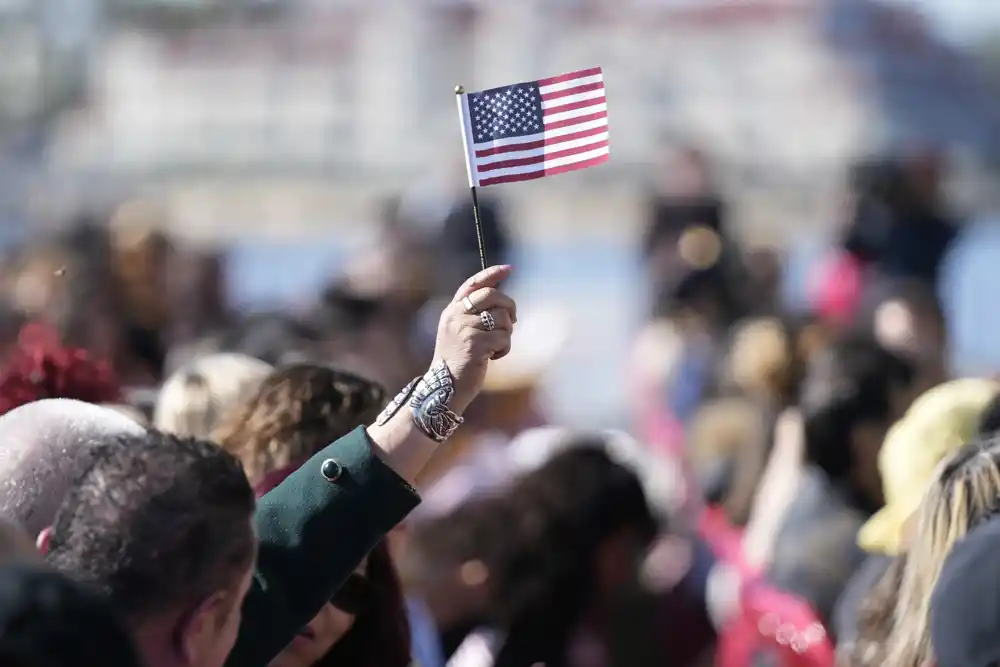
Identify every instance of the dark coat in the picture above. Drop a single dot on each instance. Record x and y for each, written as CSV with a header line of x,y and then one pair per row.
x,y
313,532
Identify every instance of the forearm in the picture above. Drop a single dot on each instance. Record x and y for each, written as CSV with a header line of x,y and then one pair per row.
x,y
402,446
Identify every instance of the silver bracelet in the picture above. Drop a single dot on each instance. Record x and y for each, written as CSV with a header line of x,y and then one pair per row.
x,y
429,403
389,411
428,397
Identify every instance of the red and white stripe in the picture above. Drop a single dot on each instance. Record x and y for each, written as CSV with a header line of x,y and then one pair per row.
x,y
574,134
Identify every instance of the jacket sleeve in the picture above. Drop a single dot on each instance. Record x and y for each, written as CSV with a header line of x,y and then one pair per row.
x,y
314,529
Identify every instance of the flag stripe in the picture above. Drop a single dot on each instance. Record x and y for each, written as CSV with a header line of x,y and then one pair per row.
x,y
550,143
570,99
549,136
566,85
548,171
545,154
573,120
575,90
552,80
550,162
593,104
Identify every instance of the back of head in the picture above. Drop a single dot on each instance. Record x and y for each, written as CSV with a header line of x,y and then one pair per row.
x,y
295,412
46,620
46,446
852,383
159,523
963,494
196,397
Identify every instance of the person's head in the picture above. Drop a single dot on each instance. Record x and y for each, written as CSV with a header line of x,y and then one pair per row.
x,y
162,525
560,541
965,605
48,620
295,412
363,625
965,491
46,446
854,389
274,337
41,367
193,400
938,423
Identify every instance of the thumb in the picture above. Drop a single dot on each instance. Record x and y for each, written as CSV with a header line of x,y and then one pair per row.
x,y
489,277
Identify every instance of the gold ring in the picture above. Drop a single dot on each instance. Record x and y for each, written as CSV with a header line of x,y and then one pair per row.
x,y
469,306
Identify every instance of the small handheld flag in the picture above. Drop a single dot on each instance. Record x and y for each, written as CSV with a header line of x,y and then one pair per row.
x,y
534,129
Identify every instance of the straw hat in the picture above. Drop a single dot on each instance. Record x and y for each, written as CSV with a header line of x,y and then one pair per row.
x,y
539,336
939,422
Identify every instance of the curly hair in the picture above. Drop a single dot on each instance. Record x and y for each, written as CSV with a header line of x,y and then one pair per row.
x,y
297,410
42,367
380,636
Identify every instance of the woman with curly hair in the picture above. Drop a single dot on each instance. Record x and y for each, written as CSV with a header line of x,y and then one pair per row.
x,y
540,566
295,412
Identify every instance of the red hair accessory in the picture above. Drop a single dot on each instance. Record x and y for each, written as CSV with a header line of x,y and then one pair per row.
x,y
42,367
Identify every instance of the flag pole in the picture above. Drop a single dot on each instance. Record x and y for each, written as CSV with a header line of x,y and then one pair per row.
x,y
460,98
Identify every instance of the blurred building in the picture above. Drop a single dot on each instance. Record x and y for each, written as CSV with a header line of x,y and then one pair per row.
x,y
313,108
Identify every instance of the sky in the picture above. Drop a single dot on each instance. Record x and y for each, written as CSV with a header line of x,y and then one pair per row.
x,y
961,20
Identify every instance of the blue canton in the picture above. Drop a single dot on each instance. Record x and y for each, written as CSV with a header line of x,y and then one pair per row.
x,y
501,113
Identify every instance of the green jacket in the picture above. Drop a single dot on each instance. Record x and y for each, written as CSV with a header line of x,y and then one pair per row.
x,y
313,532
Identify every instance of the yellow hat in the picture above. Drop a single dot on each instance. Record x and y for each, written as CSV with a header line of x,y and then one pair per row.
x,y
940,421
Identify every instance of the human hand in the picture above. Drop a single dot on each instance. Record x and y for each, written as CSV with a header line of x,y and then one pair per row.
x,y
463,342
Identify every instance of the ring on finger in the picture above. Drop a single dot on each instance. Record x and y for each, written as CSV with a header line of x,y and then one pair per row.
x,y
469,306
489,322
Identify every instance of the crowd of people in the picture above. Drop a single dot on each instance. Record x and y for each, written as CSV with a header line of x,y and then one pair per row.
x,y
183,484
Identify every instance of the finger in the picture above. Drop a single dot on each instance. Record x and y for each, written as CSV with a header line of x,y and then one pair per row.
x,y
490,277
489,298
501,320
493,344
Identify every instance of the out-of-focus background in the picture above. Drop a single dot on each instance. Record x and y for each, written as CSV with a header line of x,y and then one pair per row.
x,y
275,141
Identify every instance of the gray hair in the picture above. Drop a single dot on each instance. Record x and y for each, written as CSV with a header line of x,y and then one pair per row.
x,y
47,445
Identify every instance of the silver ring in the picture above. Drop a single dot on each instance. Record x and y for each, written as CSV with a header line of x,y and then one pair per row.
x,y
469,306
488,322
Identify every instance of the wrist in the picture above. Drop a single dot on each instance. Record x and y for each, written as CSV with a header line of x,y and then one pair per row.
x,y
429,402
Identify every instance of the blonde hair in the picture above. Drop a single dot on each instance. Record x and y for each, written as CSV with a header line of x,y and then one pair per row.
x,y
965,491
195,398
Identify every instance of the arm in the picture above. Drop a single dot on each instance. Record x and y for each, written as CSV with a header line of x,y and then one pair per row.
x,y
318,524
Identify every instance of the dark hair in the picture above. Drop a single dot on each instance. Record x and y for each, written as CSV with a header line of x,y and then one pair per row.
x,y
47,620
849,383
554,519
157,521
380,636
989,419
273,337
295,412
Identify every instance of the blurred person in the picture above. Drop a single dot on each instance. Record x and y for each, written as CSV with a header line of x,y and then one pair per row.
x,y
47,445
899,226
544,559
16,546
852,393
293,413
47,620
907,317
938,423
273,337
363,624
194,399
963,494
42,367
964,616
989,420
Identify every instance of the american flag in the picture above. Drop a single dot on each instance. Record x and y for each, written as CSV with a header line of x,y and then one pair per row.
x,y
535,129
